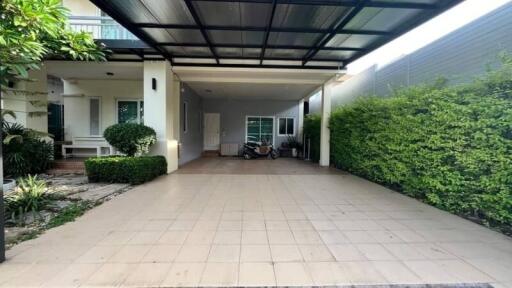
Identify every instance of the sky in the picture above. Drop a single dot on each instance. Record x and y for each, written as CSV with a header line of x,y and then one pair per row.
x,y
422,35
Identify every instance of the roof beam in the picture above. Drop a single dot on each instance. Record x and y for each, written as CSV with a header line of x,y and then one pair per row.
x,y
193,12
254,58
257,66
249,46
340,3
267,32
344,21
262,29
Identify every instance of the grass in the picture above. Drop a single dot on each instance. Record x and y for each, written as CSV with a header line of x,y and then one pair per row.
x,y
70,213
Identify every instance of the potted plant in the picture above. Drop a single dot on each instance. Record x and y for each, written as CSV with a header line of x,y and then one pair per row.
x,y
295,145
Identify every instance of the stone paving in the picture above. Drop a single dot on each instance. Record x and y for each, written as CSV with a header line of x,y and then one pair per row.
x,y
282,223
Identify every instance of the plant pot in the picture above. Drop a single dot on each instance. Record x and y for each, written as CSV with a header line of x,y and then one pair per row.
x,y
294,152
8,185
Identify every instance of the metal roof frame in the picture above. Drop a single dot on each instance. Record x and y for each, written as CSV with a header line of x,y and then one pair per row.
x,y
320,51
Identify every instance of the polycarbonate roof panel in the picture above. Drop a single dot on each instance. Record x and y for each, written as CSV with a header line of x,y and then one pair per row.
x,y
169,12
339,55
303,31
298,39
233,13
233,37
306,16
285,53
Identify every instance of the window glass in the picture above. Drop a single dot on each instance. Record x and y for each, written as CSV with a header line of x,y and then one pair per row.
x,y
282,126
127,112
260,129
286,126
289,126
141,111
94,116
185,117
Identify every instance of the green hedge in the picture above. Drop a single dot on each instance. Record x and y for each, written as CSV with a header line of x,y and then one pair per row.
x,y
311,128
450,147
120,169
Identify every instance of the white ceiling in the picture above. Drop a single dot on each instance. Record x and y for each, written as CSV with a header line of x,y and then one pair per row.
x,y
95,70
263,91
233,83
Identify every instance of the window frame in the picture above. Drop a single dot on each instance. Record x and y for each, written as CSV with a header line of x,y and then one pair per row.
x,y
99,114
257,116
286,126
116,108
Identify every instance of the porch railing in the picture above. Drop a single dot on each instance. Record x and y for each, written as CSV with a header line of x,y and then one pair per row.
x,y
100,27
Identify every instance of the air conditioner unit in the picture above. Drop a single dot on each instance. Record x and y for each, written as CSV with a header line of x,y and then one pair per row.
x,y
229,149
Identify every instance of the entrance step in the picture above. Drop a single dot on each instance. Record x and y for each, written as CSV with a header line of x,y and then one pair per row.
x,y
73,165
211,153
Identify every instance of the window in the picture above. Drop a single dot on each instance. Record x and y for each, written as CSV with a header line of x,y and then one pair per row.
x,y
185,117
130,111
94,116
286,126
259,129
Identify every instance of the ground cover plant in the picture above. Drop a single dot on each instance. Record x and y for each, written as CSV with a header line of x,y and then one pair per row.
x,y
451,147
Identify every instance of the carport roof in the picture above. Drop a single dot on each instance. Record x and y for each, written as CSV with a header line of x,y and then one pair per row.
x,y
314,34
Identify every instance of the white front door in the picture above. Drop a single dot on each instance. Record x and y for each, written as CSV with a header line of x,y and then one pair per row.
x,y
211,131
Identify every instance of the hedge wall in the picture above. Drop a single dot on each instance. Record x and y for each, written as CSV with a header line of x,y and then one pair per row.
x,y
450,147
312,124
124,169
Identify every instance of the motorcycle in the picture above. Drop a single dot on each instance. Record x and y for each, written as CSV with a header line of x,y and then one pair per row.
x,y
253,149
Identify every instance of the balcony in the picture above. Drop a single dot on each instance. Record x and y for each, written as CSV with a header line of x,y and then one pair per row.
x,y
100,27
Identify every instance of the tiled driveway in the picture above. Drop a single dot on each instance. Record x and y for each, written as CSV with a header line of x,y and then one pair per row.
x,y
244,227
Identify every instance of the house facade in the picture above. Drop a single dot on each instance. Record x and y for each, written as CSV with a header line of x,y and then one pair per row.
x,y
211,75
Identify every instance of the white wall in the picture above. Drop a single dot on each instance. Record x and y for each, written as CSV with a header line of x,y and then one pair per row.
x,y
191,140
81,7
26,105
233,116
76,104
459,57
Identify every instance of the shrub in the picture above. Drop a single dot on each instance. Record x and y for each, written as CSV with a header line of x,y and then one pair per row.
x,y
118,169
29,196
312,124
130,138
450,147
24,150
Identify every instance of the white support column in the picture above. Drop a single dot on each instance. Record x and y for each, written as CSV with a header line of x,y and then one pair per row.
x,y
161,111
324,128
300,127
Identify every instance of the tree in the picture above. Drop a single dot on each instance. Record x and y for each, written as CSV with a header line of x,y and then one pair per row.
x,y
30,32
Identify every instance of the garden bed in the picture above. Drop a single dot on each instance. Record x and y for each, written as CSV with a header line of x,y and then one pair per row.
x,y
67,196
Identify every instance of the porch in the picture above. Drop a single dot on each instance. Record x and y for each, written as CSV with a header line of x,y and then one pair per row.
x,y
248,226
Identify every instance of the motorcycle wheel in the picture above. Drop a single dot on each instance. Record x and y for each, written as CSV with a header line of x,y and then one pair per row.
x,y
273,154
247,156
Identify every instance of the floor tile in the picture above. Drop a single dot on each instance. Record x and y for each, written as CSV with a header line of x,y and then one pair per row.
x,y
220,274
161,253
286,253
256,274
255,253
147,275
183,275
346,252
193,253
315,253
224,253
292,274
254,237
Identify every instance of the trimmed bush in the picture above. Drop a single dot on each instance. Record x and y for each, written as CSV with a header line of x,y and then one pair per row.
x,y
450,147
130,138
123,169
312,124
